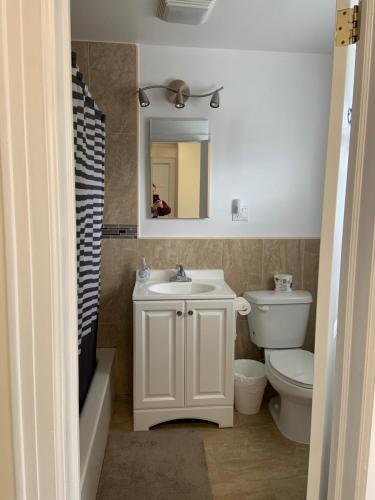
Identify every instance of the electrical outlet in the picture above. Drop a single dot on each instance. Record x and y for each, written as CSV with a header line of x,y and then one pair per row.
x,y
242,216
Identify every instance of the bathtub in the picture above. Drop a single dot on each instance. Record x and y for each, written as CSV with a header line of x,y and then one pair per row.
x,y
94,423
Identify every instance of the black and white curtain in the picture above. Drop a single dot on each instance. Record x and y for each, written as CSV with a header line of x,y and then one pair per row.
x,y
89,154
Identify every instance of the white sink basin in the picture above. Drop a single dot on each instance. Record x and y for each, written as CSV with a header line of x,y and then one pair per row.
x,y
178,288
206,284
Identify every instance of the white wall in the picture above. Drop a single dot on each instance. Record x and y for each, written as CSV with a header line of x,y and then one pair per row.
x,y
268,137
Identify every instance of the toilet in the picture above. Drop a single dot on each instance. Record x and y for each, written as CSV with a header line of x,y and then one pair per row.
x,y
278,323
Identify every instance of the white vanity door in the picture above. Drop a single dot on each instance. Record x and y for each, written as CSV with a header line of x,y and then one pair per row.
x,y
209,352
159,354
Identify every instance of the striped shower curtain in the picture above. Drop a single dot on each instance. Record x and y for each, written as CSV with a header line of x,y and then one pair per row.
x,y
89,154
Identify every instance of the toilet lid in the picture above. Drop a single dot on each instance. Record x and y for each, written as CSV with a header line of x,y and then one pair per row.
x,y
296,365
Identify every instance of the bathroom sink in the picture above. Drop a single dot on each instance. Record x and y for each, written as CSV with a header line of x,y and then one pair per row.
x,y
178,288
206,284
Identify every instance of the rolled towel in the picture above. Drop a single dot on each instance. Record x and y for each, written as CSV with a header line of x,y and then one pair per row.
x,y
241,306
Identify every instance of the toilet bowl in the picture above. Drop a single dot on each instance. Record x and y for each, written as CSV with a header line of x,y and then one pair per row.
x,y
278,323
290,372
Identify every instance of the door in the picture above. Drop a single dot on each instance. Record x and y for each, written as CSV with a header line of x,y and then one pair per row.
x,y
343,398
163,174
351,471
209,352
329,265
38,210
159,354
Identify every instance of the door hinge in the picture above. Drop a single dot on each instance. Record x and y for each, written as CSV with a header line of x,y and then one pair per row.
x,y
348,24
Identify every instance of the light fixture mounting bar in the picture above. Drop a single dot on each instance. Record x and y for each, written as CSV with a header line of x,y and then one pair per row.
x,y
165,87
178,92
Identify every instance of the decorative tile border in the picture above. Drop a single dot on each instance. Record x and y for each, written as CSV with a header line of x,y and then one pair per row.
x,y
117,231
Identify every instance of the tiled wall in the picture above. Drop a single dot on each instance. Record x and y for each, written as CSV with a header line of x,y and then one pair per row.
x,y
249,264
110,71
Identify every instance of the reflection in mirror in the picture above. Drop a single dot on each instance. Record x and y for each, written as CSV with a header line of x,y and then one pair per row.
x,y
179,161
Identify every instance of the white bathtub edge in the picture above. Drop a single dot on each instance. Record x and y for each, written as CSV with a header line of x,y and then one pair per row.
x,y
94,424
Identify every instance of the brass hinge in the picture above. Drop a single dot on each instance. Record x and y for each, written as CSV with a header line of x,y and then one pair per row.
x,y
348,24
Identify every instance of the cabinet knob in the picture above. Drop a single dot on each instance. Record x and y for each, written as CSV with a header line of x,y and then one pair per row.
x,y
190,313
179,313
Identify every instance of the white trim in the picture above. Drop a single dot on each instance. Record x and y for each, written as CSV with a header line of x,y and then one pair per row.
x,y
143,420
329,267
355,374
39,214
339,452
62,182
343,398
7,477
367,392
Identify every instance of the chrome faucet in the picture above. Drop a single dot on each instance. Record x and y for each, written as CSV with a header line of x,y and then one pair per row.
x,y
180,274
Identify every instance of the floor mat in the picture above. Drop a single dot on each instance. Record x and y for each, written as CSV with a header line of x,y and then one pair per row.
x,y
153,465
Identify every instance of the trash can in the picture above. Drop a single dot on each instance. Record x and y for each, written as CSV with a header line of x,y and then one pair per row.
x,y
249,383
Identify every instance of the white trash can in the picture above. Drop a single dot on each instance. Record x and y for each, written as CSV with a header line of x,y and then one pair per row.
x,y
249,383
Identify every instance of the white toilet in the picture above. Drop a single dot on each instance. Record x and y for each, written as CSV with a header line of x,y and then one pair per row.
x,y
278,323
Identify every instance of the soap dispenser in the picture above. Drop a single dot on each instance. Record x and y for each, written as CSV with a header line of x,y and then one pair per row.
x,y
144,271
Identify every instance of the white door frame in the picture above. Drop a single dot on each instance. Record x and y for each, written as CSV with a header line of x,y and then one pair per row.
x,y
37,171
337,469
329,265
352,429
7,477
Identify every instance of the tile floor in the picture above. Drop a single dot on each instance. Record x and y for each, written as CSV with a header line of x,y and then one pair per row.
x,y
252,460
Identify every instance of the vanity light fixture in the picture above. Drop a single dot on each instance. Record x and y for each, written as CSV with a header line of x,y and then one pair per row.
x,y
215,100
179,103
178,92
143,99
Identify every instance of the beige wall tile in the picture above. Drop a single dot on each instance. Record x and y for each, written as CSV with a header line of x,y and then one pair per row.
x,y
119,262
200,253
110,70
244,348
312,246
309,344
242,263
282,256
310,283
124,368
113,83
311,266
160,254
120,204
110,334
120,336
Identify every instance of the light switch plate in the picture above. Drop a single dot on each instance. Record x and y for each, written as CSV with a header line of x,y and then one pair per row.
x,y
242,216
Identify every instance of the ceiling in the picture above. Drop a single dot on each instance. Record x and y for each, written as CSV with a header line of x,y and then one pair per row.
x,y
274,25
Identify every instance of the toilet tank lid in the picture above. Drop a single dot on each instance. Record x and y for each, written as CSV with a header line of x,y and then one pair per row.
x,y
272,297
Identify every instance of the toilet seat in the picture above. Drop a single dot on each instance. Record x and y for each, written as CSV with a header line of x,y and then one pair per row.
x,y
294,365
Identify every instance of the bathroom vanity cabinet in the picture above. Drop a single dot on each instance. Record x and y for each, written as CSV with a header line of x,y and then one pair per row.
x,y
183,361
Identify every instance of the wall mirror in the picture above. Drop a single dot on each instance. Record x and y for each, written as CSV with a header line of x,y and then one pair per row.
x,y
180,168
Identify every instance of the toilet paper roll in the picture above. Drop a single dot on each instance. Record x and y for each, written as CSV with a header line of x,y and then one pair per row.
x,y
241,306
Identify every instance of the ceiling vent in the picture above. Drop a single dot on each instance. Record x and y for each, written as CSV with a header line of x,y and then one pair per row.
x,y
185,11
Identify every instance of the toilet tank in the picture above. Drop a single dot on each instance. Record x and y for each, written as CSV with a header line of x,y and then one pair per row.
x,y
278,320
